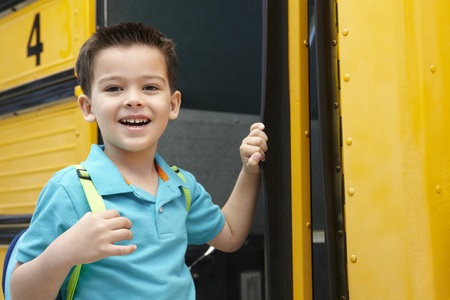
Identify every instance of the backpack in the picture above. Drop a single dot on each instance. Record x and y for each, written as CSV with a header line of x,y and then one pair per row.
x,y
96,204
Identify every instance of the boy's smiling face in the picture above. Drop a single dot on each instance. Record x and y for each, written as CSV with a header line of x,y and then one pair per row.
x,y
131,99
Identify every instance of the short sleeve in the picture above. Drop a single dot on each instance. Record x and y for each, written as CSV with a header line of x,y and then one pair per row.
x,y
54,214
205,219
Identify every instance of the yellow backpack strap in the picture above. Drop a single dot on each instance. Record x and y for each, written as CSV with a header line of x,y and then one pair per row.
x,y
96,204
73,280
94,199
187,193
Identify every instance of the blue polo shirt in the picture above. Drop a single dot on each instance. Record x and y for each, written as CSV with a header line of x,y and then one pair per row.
x,y
161,228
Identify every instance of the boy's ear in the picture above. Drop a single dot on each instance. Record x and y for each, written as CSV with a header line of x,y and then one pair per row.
x,y
175,103
86,108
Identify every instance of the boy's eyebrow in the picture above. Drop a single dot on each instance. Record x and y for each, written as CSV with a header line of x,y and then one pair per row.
x,y
154,76
114,77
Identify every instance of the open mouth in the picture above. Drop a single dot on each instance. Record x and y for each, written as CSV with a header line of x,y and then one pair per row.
x,y
134,122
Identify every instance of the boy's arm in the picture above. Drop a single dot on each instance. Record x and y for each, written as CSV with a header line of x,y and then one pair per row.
x,y
239,208
90,239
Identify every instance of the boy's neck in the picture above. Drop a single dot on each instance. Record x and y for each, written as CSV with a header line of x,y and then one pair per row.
x,y
137,168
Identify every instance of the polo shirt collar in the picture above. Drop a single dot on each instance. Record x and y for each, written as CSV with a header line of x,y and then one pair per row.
x,y
167,174
108,180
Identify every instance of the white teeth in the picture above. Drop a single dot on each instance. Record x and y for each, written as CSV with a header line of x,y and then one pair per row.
x,y
134,122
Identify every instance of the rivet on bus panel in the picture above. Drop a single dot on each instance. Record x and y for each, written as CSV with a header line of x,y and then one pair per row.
x,y
347,77
305,42
349,141
438,189
351,191
353,258
433,68
345,32
307,133
308,224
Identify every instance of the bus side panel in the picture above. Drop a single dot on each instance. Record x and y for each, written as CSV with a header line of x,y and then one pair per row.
x,y
393,69
300,162
433,21
33,147
42,39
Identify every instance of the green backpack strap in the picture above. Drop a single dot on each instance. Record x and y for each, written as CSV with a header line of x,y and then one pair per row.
x,y
94,199
186,191
96,204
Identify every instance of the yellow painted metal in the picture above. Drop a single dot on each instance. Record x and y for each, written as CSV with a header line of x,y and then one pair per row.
x,y
3,249
63,25
395,91
300,166
34,146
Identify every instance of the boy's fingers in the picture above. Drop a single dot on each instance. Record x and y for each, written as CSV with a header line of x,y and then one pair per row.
x,y
108,214
112,218
254,144
121,235
254,160
257,125
119,250
120,222
257,137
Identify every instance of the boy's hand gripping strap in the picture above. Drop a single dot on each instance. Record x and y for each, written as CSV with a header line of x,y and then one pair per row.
x,y
96,204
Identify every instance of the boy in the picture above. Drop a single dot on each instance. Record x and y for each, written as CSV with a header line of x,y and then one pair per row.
x,y
135,249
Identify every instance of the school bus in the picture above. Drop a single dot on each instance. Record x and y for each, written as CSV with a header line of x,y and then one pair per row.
x,y
355,200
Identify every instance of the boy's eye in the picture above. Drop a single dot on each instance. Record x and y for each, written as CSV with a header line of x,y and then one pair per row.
x,y
113,89
150,88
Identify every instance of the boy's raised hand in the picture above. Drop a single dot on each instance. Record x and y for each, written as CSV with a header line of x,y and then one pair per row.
x,y
253,148
92,238
239,208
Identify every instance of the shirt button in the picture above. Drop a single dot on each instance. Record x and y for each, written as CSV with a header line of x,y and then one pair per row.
x,y
161,209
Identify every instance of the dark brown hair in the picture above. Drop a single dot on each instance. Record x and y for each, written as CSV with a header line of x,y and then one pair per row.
x,y
124,35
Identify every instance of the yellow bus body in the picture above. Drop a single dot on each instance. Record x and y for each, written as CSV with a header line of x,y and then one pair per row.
x,y
300,170
41,139
395,91
34,146
63,28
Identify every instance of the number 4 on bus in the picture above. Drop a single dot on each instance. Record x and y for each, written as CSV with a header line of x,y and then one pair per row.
x,y
38,47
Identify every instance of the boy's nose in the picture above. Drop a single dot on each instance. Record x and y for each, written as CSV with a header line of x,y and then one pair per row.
x,y
133,102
